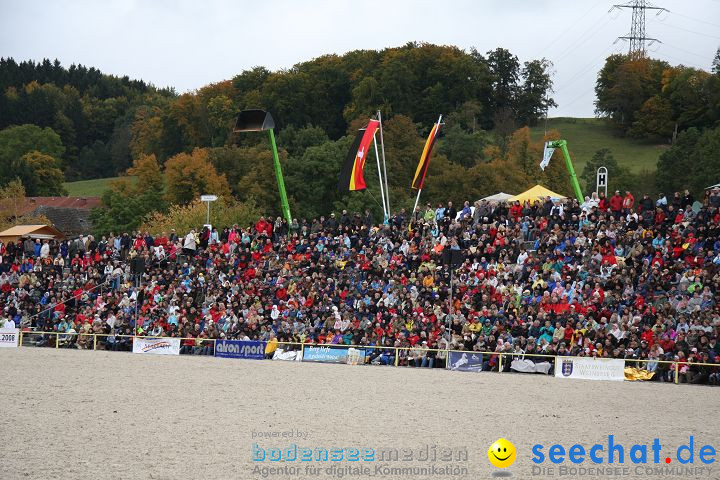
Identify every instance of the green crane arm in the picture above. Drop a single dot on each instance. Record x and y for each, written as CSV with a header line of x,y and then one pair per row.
x,y
562,145
279,178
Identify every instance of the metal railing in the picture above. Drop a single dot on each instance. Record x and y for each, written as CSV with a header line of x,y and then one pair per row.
x,y
65,340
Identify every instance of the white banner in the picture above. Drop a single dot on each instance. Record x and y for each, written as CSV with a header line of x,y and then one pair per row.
x,y
524,365
9,337
588,368
292,355
156,346
547,155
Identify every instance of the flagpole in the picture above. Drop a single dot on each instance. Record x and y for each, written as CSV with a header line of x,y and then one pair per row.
x,y
382,193
382,146
417,199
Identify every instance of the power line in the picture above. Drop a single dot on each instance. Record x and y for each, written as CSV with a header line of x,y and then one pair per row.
x,y
697,20
637,37
686,51
678,60
689,30
578,97
587,35
572,25
587,68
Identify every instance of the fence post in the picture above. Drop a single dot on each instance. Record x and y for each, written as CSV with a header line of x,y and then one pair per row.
x,y
677,373
302,352
500,368
397,356
94,341
57,340
20,340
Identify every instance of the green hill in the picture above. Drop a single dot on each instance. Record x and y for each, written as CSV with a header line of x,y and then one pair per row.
x,y
90,188
585,136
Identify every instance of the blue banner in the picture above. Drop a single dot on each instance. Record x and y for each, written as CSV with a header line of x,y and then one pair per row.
x,y
465,362
332,354
240,349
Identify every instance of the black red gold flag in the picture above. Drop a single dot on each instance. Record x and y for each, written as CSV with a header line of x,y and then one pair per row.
x,y
351,176
422,167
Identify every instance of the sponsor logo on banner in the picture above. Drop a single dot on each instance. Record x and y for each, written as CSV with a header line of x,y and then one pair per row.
x,y
240,349
331,355
156,346
465,362
615,457
9,337
588,368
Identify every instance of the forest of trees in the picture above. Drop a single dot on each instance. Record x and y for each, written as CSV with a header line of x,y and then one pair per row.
x,y
104,122
651,99
75,123
90,125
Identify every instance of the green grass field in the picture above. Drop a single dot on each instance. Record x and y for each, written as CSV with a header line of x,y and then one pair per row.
x,y
585,136
90,188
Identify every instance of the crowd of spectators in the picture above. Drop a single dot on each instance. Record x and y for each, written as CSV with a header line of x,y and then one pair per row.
x,y
609,277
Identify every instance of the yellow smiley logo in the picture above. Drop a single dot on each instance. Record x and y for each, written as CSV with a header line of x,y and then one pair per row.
x,y
502,453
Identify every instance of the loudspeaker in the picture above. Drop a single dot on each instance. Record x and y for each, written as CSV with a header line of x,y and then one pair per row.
x,y
253,121
453,258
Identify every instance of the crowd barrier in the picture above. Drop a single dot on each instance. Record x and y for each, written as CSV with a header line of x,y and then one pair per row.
x,y
457,360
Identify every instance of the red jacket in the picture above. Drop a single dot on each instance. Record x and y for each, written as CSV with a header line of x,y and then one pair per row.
x,y
629,201
616,202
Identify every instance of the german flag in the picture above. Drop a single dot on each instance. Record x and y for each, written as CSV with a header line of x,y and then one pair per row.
x,y
422,167
351,176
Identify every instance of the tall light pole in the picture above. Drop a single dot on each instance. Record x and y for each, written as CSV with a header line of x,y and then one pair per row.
x,y
258,121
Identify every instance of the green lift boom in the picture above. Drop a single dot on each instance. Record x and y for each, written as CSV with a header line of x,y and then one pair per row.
x,y
258,121
562,145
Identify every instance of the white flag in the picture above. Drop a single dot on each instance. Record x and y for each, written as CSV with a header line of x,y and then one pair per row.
x,y
547,155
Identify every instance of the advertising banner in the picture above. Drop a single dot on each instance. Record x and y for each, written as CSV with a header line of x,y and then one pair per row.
x,y
332,354
240,349
9,337
465,362
588,368
156,346
530,365
291,355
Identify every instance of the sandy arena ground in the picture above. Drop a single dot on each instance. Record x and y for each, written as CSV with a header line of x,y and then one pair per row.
x,y
104,415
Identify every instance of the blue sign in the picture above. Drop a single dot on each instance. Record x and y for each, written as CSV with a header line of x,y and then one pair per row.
x,y
332,354
465,361
240,349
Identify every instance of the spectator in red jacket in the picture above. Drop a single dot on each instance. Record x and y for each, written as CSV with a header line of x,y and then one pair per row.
x,y
628,202
616,204
263,227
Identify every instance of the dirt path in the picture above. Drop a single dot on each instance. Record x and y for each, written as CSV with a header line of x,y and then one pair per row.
x,y
97,415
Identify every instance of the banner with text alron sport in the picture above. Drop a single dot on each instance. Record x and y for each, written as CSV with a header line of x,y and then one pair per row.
x,y
252,349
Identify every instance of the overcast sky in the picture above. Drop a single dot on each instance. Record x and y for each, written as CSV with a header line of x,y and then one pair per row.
x,y
187,44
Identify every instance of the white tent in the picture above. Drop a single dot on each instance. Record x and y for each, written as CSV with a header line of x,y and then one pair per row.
x,y
498,197
711,187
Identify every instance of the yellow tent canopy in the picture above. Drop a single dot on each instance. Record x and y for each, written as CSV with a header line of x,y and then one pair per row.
x,y
538,192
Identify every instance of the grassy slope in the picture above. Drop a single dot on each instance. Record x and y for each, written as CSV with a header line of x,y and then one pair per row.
x,y
585,136
90,188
